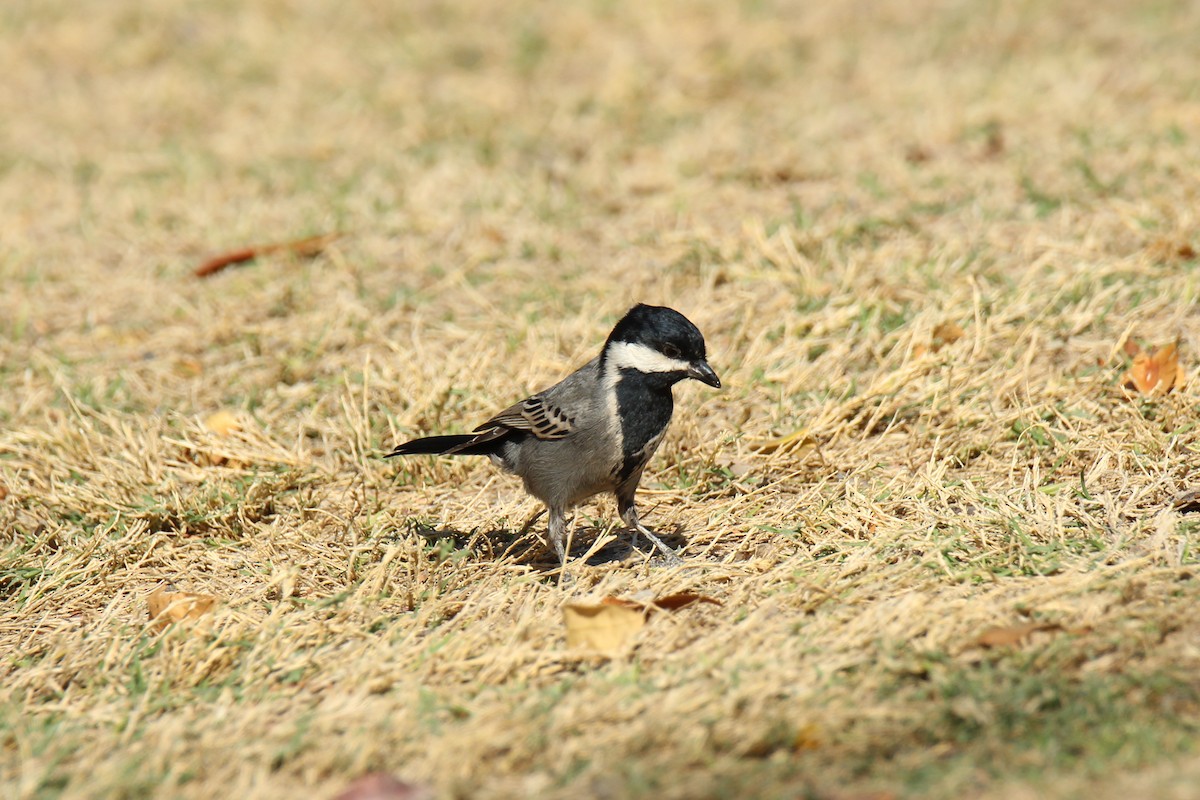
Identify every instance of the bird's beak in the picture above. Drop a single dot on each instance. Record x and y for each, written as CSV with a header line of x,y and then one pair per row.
x,y
701,371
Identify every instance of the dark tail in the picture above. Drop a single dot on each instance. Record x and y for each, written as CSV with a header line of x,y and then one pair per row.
x,y
456,445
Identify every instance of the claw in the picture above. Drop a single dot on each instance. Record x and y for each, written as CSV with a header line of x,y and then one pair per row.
x,y
670,555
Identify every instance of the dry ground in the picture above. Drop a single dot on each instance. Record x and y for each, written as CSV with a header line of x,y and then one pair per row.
x,y
818,186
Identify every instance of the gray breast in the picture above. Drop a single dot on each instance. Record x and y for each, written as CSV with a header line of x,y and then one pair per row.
x,y
563,472
566,471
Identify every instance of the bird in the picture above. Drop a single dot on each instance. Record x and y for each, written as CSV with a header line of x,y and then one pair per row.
x,y
595,430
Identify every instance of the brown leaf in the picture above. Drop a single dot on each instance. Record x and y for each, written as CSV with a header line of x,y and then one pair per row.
x,y
494,234
1155,374
787,173
168,606
621,602
994,146
607,627
1131,348
674,602
808,737
306,248
1170,250
916,154
217,263
945,333
1011,635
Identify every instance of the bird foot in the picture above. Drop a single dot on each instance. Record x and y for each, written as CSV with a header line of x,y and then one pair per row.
x,y
669,556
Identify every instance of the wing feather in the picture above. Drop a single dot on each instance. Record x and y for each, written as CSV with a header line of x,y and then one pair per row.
x,y
538,415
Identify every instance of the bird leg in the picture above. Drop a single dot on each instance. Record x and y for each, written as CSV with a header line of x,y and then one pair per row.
x,y
556,531
629,515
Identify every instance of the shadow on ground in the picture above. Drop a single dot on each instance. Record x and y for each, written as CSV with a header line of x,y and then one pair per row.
x,y
527,545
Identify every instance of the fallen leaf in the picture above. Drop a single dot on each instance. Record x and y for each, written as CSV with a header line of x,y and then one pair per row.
x,y
808,737
222,423
1170,250
168,606
1131,348
786,173
381,786
674,602
1157,373
606,627
189,367
1011,635
494,234
609,625
797,440
307,247
946,333
621,602
993,145
916,154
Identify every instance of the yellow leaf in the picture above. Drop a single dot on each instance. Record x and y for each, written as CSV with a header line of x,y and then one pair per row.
x,y
792,441
168,606
222,423
606,627
610,625
1013,634
1155,374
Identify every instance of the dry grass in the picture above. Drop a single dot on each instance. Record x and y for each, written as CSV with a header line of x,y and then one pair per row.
x,y
817,186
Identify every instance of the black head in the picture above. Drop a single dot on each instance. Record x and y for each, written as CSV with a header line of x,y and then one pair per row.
x,y
656,339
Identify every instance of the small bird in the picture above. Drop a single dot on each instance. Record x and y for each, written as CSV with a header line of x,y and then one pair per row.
x,y
595,430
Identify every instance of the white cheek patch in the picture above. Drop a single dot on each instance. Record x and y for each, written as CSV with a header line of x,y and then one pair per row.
x,y
629,355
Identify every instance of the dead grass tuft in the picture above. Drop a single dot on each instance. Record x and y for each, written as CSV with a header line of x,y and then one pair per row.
x,y
918,241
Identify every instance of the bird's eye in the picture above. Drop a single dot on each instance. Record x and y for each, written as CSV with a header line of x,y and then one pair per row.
x,y
671,351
